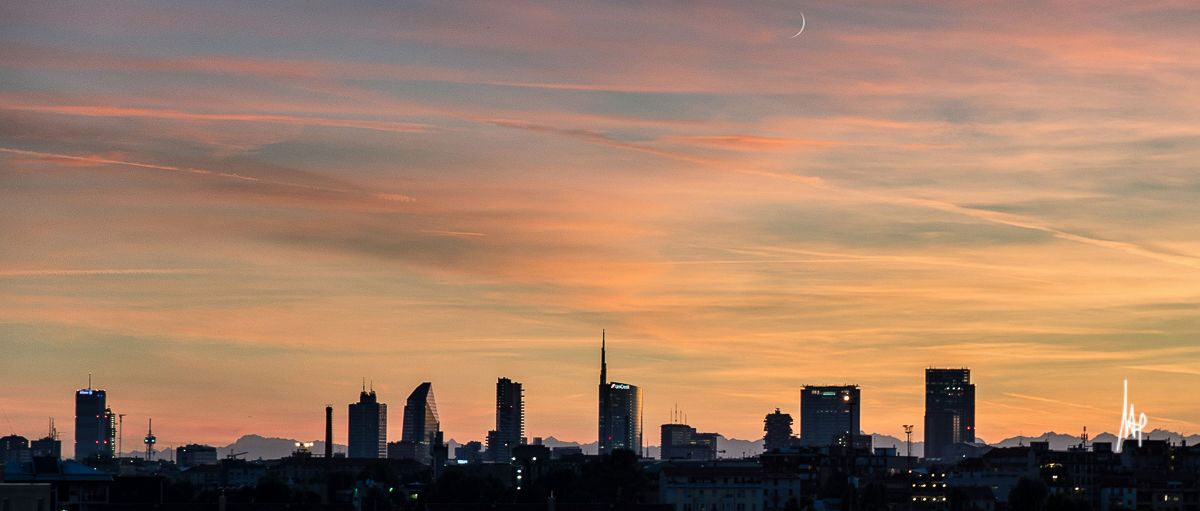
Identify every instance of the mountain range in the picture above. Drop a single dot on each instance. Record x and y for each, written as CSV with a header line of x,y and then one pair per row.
x,y
256,446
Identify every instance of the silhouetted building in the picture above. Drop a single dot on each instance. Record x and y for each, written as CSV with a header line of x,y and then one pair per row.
x,y
402,450
510,420
94,428
368,427
949,410
421,424
193,455
14,448
683,442
620,411
778,428
470,452
48,447
828,411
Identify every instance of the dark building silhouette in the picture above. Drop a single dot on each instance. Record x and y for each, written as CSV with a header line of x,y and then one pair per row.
x,y
510,420
47,447
421,424
683,442
368,427
949,410
402,450
94,425
778,429
827,412
194,455
470,452
14,448
620,411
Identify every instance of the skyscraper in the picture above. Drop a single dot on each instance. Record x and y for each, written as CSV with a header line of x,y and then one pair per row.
x,y
778,428
949,409
620,411
827,412
421,424
109,444
510,420
368,427
94,428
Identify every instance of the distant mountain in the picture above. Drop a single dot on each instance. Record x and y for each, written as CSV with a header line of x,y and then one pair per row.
x,y
726,447
1058,441
257,447
882,440
734,448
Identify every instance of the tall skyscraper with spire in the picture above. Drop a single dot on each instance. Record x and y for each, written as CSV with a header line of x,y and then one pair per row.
x,y
620,410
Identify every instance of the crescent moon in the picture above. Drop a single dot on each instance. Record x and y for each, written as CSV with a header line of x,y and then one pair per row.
x,y
802,23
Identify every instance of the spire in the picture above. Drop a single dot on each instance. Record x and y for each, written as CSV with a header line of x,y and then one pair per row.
x,y
603,363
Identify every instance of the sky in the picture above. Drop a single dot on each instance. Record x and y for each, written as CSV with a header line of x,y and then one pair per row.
x,y
231,214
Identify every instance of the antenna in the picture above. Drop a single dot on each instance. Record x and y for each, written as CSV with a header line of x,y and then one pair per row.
x,y
908,429
603,361
89,381
120,433
150,440
364,384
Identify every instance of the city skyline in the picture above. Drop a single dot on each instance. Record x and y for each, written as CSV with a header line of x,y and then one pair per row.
x,y
231,213
834,399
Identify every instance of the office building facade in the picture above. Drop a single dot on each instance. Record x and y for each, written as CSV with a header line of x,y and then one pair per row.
x,y
949,410
683,442
510,420
620,411
367,435
828,413
421,423
194,455
94,425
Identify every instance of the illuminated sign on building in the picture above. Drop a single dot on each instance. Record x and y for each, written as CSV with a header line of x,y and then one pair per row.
x,y
1132,425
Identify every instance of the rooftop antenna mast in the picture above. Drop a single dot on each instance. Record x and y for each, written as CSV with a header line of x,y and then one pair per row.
x,y
603,362
150,440
908,429
120,433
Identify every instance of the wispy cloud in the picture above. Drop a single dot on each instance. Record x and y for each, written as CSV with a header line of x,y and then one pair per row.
x,y
394,197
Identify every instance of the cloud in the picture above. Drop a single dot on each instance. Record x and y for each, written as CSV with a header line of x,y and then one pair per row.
x,y
390,197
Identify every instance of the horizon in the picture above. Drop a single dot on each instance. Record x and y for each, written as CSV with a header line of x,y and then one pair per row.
x,y
169,442
232,213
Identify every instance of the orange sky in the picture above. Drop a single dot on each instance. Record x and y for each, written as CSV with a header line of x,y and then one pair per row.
x,y
232,214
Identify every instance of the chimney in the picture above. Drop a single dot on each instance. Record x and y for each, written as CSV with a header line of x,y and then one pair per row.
x,y
329,431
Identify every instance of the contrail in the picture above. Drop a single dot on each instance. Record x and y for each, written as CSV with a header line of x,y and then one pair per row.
x,y
393,197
